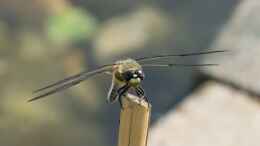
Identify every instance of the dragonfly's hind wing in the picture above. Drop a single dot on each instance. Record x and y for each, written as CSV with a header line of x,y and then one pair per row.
x,y
67,82
142,59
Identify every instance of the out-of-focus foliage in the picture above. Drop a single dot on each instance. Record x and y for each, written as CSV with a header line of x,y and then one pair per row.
x,y
148,25
3,36
72,24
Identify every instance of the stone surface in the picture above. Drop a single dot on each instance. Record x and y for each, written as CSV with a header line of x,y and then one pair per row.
x,y
214,115
240,66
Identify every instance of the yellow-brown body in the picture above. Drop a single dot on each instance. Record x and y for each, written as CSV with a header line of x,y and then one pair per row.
x,y
119,79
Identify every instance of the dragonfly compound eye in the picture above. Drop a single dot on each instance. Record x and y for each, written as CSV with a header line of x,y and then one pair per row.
x,y
140,74
128,75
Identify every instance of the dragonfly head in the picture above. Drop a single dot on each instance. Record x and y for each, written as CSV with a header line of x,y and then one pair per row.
x,y
134,77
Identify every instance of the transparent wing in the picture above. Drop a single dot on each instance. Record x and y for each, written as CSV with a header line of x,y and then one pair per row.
x,y
177,65
68,82
179,55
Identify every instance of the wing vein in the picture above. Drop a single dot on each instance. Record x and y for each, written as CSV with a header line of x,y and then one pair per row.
x,y
178,65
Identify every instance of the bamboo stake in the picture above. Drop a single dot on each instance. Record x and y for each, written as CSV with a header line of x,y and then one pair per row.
x,y
134,121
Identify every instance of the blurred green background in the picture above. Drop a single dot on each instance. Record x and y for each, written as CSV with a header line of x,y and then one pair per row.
x,y
46,40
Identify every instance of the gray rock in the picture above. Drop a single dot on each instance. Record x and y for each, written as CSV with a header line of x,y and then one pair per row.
x,y
240,66
214,115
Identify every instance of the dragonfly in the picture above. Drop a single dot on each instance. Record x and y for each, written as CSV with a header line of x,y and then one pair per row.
x,y
126,74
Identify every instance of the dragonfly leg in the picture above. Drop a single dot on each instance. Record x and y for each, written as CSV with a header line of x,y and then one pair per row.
x,y
121,92
140,92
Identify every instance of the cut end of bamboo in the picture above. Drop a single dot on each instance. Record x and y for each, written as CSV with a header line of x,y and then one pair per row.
x,y
134,121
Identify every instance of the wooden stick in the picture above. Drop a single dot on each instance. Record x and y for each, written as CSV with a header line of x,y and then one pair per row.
x,y
134,121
